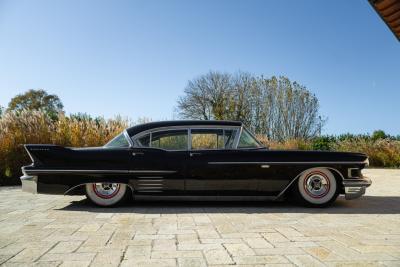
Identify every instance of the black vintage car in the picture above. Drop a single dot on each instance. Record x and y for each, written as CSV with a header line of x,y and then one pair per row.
x,y
193,160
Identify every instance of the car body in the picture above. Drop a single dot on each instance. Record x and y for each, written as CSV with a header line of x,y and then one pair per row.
x,y
193,160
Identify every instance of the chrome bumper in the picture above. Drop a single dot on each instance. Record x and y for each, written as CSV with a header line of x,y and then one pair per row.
x,y
355,188
29,184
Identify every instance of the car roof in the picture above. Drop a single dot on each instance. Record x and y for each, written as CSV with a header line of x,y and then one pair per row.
x,y
151,125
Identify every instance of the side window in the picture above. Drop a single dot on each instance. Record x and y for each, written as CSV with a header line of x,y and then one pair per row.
x,y
207,139
247,140
144,141
229,138
170,139
213,138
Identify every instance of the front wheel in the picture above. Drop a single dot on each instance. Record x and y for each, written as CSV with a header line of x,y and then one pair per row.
x,y
106,194
317,187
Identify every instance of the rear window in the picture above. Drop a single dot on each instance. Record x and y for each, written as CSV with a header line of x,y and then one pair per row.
x,y
118,141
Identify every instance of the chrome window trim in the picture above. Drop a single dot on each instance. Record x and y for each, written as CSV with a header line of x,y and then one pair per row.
x,y
126,135
238,137
251,135
189,129
189,146
212,149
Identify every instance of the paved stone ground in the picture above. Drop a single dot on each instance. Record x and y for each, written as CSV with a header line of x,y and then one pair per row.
x,y
68,231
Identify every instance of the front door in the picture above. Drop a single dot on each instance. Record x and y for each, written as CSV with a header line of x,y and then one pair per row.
x,y
215,169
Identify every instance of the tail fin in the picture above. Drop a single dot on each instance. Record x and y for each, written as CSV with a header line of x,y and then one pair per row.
x,y
40,154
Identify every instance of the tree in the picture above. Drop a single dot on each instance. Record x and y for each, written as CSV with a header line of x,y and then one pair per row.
x,y
275,107
37,100
379,134
206,97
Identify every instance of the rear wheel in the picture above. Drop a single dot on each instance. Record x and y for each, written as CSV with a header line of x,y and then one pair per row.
x,y
317,187
106,194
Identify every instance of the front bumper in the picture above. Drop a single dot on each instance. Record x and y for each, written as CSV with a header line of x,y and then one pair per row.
x,y
29,183
355,188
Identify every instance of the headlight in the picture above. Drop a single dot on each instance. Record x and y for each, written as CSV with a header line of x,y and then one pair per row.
x,y
366,162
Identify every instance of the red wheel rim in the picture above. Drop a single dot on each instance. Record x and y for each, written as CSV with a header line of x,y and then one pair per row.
x,y
106,190
313,185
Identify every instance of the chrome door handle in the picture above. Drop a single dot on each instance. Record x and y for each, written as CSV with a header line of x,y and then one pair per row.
x,y
194,154
137,153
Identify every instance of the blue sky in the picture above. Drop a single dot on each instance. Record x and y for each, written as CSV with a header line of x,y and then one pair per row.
x,y
134,58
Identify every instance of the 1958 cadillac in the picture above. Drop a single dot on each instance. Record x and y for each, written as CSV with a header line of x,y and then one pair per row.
x,y
207,160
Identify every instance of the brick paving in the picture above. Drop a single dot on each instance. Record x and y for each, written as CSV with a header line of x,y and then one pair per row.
x,y
44,230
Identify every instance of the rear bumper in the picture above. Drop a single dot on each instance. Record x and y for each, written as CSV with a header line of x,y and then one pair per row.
x,y
29,183
355,188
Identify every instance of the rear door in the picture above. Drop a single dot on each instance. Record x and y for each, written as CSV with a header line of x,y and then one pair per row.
x,y
158,165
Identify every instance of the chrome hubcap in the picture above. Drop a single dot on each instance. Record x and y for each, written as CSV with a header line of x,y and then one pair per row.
x,y
106,190
316,185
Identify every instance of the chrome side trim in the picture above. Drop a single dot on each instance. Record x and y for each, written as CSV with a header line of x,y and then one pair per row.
x,y
154,184
237,162
72,188
29,154
36,171
202,198
289,184
151,171
285,163
74,171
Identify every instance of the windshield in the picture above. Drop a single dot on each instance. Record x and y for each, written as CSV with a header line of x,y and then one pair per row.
x,y
118,141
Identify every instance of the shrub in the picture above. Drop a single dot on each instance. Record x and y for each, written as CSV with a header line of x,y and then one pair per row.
x,y
381,152
291,144
323,143
35,127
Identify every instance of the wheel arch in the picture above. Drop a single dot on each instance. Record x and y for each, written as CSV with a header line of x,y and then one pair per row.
x,y
80,189
335,172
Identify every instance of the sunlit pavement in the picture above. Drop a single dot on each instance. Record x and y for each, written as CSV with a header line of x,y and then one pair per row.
x,y
69,231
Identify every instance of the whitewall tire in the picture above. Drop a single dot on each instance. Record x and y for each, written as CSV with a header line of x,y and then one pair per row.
x,y
106,194
317,187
